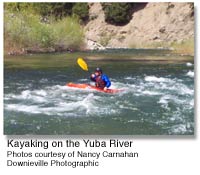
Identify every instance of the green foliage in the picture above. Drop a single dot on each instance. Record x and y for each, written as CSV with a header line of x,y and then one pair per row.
x,y
58,10
117,13
81,10
24,30
68,33
13,6
27,30
43,9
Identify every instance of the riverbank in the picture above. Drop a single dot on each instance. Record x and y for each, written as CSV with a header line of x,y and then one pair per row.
x,y
172,59
187,51
178,48
167,25
153,25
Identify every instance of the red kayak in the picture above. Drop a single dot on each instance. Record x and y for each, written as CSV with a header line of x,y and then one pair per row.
x,y
87,86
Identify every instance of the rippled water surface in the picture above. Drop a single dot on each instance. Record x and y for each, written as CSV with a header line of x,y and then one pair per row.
x,y
158,98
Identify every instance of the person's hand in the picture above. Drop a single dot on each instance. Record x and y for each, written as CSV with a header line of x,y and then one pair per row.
x,y
105,88
93,75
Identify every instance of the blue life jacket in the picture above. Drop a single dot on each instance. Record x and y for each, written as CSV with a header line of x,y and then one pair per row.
x,y
101,81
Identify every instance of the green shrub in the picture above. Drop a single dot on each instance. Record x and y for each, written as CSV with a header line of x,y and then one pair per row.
x,y
58,10
117,13
24,30
81,10
68,33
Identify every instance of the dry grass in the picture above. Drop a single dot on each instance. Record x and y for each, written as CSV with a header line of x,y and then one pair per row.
x,y
184,47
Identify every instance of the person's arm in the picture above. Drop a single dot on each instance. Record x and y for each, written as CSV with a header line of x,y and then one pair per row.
x,y
93,77
107,81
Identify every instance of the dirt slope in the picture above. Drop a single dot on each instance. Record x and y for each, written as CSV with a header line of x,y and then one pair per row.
x,y
152,25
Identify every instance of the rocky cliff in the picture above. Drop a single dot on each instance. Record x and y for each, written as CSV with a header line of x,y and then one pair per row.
x,y
152,25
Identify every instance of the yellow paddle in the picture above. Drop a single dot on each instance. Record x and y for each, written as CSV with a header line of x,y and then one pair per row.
x,y
82,64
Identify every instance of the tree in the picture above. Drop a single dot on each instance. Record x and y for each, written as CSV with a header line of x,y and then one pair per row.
x,y
58,10
81,10
117,13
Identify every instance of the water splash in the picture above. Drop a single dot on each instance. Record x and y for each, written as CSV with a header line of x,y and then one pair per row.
x,y
151,99
190,74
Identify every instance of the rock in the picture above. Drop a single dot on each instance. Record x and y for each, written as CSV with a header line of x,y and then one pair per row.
x,y
93,45
156,37
170,5
162,29
123,32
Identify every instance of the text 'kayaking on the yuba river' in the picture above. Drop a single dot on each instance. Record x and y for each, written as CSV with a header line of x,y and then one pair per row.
x,y
68,143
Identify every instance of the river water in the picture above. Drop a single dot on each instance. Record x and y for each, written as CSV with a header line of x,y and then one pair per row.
x,y
158,97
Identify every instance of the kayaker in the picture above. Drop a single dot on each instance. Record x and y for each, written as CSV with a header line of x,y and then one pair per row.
x,y
101,80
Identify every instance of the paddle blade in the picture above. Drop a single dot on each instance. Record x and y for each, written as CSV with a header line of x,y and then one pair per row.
x,y
82,64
